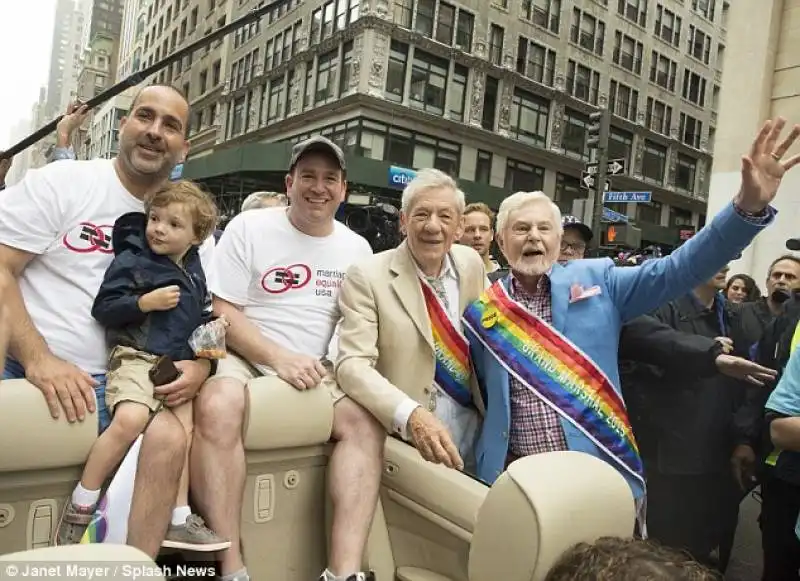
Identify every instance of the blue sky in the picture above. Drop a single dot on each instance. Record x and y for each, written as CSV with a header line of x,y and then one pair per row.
x,y
26,31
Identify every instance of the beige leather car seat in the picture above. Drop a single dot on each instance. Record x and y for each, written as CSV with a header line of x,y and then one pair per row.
x,y
40,463
97,562
541,506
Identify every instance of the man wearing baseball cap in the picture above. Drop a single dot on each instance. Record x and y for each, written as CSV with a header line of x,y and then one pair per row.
x,y
277,280
577,236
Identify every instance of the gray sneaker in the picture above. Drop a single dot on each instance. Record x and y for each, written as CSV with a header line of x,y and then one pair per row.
x,y
194,535
74,521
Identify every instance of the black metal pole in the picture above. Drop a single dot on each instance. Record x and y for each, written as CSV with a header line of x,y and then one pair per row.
x,y
140,76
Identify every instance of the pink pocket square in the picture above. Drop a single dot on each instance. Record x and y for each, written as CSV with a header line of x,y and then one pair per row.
x,y
578,293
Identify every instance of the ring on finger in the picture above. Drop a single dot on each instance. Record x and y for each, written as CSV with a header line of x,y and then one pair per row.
x,y
775,156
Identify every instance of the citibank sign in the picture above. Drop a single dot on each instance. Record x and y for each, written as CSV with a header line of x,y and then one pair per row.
x,y
400,176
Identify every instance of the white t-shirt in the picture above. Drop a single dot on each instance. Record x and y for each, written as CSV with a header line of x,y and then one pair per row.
x,y
287,283
64,213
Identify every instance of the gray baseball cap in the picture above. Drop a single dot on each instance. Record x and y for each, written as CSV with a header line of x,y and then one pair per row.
x,y
319,144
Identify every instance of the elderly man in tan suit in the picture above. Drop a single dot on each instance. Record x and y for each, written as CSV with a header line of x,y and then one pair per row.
x,y
402,353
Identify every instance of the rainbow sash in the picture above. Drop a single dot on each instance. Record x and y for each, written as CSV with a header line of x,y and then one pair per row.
x,y
453,369
557,371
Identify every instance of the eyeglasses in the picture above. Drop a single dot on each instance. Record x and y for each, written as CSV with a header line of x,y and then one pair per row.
x,y
574,246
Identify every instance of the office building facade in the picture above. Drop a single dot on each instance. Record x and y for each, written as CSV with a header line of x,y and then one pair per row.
x,y
497,93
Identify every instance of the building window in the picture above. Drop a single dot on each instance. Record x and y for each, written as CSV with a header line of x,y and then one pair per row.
x,y
496,34
490,103
658,116
649,212
396,72
431,152
705,8
465,27
275,109
424,17
633,10
544,13
326,77
347,68
619,145
327,21
663,71
679,217
308,97
694,88
523,177
483,167
428,82
582,82
685,171
628,53
445,23
237,125
402,12
587,31
574,138
409,149
690,130
458,92
668,26
654,161
623,100
529,117
535,61
568,189
699,45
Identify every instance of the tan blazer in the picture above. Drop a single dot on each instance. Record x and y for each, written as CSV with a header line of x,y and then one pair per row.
x,y
386,347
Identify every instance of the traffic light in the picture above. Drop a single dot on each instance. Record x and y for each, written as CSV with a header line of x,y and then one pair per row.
x,y
620,235
598,131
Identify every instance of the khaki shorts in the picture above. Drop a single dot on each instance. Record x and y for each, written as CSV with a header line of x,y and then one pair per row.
x,y
128,378
234,367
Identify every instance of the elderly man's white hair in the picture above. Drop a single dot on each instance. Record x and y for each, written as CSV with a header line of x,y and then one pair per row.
x,y
428,179
258,199
520,200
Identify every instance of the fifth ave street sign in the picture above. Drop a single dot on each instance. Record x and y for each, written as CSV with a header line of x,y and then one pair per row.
x,y
622,197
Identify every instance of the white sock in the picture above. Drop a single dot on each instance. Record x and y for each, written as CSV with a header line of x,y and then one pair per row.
x,y
240,575
85,498
180,514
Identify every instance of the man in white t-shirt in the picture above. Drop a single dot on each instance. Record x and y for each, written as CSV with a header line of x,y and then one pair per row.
x,y
55,243
276,276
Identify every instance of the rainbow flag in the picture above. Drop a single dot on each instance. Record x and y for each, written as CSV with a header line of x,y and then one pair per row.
x,y
453,369
110,521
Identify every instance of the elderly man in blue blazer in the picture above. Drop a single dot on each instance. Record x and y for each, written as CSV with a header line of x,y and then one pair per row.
x,y
544,338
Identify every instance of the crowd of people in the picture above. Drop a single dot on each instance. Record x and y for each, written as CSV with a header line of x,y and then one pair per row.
x,y
108,268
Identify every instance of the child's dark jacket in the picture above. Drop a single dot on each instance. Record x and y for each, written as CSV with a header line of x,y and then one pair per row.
x,y
136,270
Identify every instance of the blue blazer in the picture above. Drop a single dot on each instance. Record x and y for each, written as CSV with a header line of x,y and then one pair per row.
x,y
594,323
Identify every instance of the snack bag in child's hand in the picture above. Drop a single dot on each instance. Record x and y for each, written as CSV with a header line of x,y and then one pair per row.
x,y
208,341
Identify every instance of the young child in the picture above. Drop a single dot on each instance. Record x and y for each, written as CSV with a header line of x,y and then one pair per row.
x,y
152,298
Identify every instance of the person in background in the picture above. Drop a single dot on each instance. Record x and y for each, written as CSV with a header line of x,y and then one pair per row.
x,y
5,167
626,559
258,200
783,277
575,312
575,240
742,288
479,233
76,114
780,508
684,426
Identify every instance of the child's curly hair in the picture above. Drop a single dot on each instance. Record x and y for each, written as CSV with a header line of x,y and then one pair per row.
x,y
627,559
201,206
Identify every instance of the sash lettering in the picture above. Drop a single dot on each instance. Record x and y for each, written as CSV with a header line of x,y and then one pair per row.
x,y
452,351
557,371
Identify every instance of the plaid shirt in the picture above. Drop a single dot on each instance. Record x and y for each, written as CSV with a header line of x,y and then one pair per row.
x,y
535,426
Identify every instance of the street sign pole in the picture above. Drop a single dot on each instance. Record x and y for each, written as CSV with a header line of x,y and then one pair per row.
x,y
598,134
